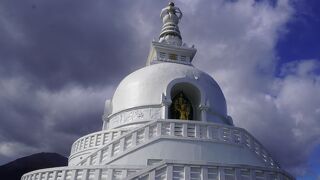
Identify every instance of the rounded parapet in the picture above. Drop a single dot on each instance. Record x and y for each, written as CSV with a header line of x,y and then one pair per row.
x,y
206,171
82,173
234,145
162,170
85,145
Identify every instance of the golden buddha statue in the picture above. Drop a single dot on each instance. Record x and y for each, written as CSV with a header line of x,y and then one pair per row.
x,y
182,106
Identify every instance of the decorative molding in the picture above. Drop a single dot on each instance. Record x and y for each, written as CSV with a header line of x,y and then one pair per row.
x,y
135,115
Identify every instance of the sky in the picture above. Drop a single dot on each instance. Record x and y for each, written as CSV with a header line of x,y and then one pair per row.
x,y
60,60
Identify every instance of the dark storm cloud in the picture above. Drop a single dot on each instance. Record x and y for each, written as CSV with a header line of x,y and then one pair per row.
x,y
40,120
54,43
14,109
58,61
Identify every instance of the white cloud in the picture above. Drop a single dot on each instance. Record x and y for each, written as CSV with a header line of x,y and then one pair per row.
x,y
285,119
282,112
73,102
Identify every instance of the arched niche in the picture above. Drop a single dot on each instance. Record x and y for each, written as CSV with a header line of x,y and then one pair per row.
x,y
183,96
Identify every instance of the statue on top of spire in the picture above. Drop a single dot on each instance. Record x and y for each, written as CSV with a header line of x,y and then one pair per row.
x,y
170,32
171,13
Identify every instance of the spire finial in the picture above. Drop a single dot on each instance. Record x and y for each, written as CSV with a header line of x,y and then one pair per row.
x,y
170,32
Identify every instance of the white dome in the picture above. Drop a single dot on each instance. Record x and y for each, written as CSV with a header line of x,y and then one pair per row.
x,y
146,86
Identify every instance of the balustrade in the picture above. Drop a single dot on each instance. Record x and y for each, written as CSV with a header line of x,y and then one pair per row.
x,y
181,171
190,130
114,144
80,173
86,144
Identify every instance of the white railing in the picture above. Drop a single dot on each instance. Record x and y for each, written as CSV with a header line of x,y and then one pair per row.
x,y
95,140
165,170
190,130
168,170
80,173
85,145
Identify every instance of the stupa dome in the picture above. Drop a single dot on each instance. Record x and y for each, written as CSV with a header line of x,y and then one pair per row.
x,y
145,86
154,85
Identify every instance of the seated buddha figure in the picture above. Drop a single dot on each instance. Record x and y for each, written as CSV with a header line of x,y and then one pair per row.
x,y
183,107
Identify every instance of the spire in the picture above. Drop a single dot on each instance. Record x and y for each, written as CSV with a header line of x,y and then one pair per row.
x,y
170,32
170,48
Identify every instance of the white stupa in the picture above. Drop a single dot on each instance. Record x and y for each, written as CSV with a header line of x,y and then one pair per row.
x,y
167,120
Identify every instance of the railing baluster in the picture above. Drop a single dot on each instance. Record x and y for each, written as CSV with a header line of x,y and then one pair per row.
x,y
134,139
159,128
99,157
97,174
95,138
197,131
252,174
186,172
38,176
169,172
110,149
84,175
209,132
104,138
121,145
46,175
63,175
54,175
73,174
184,130
104,154
152,175
109,174
124,173
204,172
146,134
171,133
221,173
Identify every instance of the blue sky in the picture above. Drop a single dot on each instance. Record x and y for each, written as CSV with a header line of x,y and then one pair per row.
x,y
302,39
60,60
314,166
299,43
